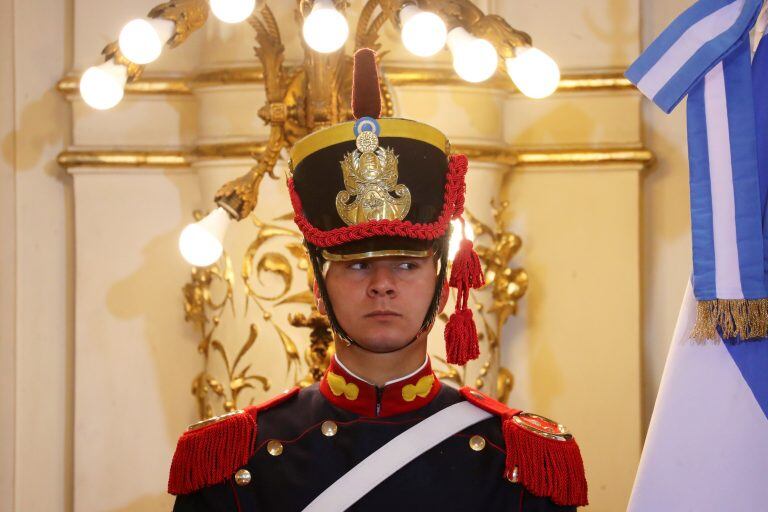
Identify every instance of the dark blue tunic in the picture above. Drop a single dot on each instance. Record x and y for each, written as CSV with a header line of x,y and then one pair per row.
x,y
449,477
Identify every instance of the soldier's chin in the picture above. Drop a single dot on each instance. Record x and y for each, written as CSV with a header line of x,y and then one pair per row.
x,y
382,344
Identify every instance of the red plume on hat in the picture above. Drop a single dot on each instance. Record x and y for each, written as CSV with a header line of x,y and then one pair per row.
x,y
366,92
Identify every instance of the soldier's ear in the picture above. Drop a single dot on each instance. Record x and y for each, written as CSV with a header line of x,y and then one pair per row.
x,y
319,300
444,293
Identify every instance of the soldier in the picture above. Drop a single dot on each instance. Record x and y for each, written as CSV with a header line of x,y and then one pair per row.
x,y
374,199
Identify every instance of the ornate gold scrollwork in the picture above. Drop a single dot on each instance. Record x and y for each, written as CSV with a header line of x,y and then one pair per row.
x,y
205,313
258,263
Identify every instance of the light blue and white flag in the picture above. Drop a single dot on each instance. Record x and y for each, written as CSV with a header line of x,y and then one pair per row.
x,y
707,444
705,54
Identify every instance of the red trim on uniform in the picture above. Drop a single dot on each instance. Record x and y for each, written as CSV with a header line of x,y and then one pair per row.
x,y
546,467
392,401
498,448
209,455
234,493
453,207
282,397
487,403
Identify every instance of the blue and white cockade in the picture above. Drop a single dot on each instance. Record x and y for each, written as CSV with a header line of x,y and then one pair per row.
x,y
367,124
705,54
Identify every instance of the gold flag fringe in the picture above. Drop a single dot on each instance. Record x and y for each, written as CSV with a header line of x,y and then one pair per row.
x,y
745,318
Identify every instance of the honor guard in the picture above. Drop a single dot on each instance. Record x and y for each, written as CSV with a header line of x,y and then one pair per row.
x,y
374,199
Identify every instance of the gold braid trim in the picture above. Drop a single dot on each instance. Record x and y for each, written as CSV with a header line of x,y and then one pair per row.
x,y
745,318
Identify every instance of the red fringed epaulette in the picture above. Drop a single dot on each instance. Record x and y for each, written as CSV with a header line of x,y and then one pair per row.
x,y
541,455
210,451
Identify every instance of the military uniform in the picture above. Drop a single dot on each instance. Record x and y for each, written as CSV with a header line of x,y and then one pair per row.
x,y
305,440
370,188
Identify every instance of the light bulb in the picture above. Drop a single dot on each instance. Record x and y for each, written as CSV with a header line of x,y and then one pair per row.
x,y
101,87
474,59
534,72
325,29
423,32
142,40
456,236
201,243
232,11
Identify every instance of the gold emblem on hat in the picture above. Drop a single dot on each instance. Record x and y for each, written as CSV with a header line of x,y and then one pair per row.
x,y
370,179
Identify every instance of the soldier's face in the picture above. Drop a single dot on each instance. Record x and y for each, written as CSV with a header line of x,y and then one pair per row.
x,y
381,302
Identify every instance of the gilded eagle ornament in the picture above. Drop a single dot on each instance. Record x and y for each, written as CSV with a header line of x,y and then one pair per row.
x,y
370,178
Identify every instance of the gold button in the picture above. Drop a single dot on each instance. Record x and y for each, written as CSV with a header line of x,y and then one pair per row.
x,y
514,477
275,448
477,443
243,477
329,428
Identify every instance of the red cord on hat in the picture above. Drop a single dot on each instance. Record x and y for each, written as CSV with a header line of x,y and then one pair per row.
x,y
461,343
453,202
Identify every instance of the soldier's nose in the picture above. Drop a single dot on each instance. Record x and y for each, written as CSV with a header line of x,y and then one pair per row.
x,y
382,283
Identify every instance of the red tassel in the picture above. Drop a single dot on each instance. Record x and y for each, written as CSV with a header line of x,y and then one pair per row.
x,y
466,271
545,467
461,343
210,454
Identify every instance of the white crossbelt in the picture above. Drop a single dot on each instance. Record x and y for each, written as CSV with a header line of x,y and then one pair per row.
x,y
398,452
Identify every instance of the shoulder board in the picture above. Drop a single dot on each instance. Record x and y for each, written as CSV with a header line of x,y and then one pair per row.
x,y
211,450
487,403
541,454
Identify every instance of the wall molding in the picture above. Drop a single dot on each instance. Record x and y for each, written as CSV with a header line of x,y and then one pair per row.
x,y
398,76
185,157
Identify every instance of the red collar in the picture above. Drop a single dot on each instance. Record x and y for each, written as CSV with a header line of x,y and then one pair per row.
x,y
345,390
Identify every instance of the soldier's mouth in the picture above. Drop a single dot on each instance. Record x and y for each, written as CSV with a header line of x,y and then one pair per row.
x,y
381,314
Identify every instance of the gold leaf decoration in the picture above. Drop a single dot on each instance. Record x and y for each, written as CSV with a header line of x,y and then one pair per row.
x,y
275,263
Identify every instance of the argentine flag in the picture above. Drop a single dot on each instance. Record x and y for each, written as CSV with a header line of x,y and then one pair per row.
x,y
707,444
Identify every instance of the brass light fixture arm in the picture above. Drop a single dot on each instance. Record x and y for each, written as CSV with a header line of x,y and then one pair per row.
x,y
187,16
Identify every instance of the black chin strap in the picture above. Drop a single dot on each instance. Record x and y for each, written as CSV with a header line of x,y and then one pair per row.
x,y
315,256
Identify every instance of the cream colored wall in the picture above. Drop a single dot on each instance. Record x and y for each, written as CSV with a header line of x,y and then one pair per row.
x,y
575,347
95,359
666,255
7,261
39,231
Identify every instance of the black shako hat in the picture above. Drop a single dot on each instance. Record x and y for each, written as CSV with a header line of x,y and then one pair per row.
x,y
378,187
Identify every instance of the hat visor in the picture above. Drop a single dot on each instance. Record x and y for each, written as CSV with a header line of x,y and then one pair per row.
x,y
380,247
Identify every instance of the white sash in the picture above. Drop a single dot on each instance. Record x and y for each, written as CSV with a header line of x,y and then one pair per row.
x,y
398,452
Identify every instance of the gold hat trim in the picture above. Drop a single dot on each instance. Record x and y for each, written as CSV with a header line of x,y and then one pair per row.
x,y
376,254
344,132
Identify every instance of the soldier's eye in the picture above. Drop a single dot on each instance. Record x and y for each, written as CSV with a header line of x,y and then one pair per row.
x,y
358,265
407,265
